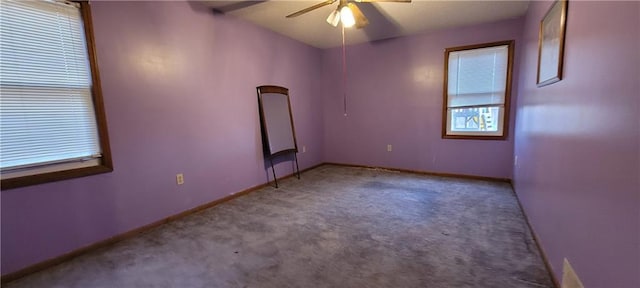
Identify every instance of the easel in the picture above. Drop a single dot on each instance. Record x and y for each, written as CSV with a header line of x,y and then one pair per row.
x,y
273,169
276,122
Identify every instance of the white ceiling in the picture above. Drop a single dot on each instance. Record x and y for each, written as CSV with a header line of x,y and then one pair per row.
x,y
387,20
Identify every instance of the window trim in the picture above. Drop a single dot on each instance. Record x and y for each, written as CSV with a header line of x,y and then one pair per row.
x,y
106,164
507,101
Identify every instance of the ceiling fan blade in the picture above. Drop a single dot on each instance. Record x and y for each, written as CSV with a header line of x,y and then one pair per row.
x,y
314,7
230,6
361,20
399,1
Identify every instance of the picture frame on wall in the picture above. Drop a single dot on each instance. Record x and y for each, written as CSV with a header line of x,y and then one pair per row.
x,y
551,44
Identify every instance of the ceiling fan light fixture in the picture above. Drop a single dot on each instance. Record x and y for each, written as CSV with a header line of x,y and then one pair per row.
x,y
347,12
346,16
360,19
334,18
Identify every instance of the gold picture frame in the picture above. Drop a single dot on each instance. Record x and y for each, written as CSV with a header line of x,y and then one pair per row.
x,y
551,44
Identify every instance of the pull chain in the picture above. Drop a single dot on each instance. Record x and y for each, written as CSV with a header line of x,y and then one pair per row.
x,y
344,72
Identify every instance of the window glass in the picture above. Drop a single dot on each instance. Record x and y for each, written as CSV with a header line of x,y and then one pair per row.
x,y
48,98
477,90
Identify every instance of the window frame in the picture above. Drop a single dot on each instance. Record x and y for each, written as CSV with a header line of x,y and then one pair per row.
x,y
507,101
106,164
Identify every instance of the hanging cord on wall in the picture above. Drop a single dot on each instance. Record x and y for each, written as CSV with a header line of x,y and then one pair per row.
x,y
344,73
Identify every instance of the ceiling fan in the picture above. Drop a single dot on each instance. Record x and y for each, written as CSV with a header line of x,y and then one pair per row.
x,y
347,12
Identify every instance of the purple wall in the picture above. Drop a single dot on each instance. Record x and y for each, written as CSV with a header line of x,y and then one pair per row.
x,y
578,144
179,89
394,95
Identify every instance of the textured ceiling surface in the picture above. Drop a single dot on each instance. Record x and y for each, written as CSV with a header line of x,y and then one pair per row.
x,y
387,20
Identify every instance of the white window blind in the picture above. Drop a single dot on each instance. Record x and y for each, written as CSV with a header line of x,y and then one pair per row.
x,y
477,77
46,108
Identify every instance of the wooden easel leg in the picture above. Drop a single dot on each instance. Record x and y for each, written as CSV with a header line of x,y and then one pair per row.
x,y
295,155
274,172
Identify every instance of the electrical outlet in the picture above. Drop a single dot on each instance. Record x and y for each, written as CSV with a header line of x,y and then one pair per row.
x,y
304,149
569,277
180,179
389,148
515,161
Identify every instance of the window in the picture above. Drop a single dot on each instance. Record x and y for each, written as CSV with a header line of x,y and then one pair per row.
x,y
477,90
52,123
